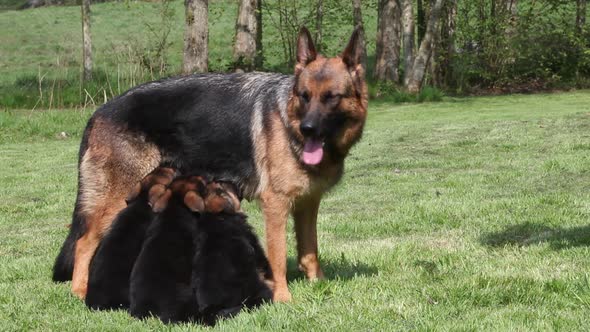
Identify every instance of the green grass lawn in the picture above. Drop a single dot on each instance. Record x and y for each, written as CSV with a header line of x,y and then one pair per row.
x,y
469,214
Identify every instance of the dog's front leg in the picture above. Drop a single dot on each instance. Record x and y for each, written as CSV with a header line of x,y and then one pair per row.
x,y
305,213
275,208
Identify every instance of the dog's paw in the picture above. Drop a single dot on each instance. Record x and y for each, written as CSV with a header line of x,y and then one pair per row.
x,y
281,295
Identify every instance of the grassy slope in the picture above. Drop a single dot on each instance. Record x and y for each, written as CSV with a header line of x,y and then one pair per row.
x,y
40,57
470,214
49,39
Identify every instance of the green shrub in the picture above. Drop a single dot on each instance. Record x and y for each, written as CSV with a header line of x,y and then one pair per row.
x,y
428,94
389,91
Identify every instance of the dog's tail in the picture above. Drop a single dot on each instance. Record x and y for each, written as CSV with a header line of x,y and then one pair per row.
x,y
63,268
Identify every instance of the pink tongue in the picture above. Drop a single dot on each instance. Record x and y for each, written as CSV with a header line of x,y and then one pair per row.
x,y
313,152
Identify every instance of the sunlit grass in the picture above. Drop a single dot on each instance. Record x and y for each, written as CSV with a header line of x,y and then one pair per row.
x,y
469,214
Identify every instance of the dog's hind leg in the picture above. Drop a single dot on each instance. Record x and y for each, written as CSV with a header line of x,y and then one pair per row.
x,y
305,213
114,162
98,220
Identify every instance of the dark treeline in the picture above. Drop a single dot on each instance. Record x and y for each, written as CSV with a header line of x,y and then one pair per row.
x,y
467,46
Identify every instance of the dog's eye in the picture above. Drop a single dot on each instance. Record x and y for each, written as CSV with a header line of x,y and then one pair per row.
x,y
329,96
305,96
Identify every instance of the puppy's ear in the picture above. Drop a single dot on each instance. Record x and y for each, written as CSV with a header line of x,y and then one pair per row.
x,y
306,52
161,202
194,202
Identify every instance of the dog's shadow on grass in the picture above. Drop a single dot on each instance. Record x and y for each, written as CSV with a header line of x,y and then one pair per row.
x,y
340,268
531,234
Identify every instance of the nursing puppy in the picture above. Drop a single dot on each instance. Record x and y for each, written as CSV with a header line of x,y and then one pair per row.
x,y
162,279
110,268
229,267
281,139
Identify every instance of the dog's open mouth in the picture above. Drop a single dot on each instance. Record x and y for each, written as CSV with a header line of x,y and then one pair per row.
x,y
313,151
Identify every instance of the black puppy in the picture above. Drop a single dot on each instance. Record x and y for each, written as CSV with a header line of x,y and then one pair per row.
x,y
200,260
161,276
110,268
228,267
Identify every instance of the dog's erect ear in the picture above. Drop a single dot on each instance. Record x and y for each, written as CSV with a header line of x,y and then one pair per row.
x,y
353,53
353,59
306,52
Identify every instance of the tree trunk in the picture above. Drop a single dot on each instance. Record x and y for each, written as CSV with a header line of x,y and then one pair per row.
x,y
408,38
421,20
444,50
444,47
248,44
388,41
512,9
87,42
358,23
196,36
433,64
425,51
319,16
448,43
580,16
481,26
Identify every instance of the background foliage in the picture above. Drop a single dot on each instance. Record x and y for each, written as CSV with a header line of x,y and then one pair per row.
x,y
536,47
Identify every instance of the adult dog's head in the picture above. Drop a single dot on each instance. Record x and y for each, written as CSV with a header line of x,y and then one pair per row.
x,y
328,105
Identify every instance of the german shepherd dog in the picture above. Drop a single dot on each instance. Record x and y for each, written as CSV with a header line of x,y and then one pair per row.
x,y
200,259
281,139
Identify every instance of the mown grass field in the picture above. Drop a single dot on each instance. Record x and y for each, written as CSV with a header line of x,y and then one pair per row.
x,y
469,214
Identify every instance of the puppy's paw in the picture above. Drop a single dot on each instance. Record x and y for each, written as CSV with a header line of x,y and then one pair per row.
x,y
153,185
190,190
222,197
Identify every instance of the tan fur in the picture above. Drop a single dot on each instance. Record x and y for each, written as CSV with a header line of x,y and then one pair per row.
x,y
286,175
259,141
275,209
305,213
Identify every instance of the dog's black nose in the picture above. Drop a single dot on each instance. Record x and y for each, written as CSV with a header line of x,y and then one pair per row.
x,y
307,128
